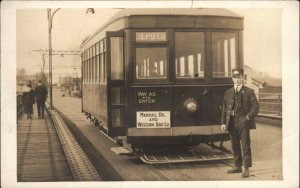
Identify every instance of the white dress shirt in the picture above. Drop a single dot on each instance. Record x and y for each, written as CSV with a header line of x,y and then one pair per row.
x,y
238,87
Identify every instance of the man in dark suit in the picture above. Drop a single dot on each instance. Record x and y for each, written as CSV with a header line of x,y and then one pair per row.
x,y
40,97
240,107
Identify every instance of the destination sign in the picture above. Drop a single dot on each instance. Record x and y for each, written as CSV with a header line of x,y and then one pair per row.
x,y
153,119
150,36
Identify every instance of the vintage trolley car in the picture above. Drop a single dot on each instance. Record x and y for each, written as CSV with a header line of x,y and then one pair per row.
x,y
158,76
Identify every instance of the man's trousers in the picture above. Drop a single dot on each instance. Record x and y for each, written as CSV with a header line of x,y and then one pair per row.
x,y
41,108
240,141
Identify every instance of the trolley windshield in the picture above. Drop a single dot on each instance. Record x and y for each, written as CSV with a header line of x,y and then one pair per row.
x,y
151,63
189,55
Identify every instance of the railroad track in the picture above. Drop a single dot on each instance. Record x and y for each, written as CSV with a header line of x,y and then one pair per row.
x,y
81,167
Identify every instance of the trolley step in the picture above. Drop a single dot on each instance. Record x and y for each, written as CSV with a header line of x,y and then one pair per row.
x,y
186,156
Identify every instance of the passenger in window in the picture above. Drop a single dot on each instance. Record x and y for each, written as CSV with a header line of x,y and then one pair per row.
x,y
240,107
153,72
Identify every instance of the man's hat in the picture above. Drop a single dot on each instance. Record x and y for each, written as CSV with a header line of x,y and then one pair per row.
x,y
237,72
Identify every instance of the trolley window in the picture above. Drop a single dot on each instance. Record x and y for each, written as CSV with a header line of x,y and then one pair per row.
x,y
93,51
103,60
101,46
189,55
97,68
224,53
151,63
93,69
104,45
84,73
90,70
117,69
97,48
102,69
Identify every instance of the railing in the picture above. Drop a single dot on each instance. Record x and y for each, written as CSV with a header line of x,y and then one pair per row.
x,y
270,104
19,105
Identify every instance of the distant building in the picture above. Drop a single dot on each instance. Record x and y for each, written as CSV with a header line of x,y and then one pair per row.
x,y
252,82
65,81
71,85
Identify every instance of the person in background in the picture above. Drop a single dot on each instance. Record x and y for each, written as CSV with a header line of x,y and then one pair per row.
x,y
240,107
40,98
28,100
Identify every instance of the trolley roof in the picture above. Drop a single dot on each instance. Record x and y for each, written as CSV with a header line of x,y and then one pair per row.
x,y
176,11
187,12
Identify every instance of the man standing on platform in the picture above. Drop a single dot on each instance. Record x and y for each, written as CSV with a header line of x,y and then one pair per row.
x,y
40,97
240,107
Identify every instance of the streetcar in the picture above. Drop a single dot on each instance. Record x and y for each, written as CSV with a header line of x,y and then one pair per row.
x,y
158,76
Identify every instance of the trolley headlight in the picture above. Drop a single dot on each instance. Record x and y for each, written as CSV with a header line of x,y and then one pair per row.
x,y
191,105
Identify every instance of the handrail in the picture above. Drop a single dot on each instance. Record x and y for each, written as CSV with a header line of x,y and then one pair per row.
x,y
270,104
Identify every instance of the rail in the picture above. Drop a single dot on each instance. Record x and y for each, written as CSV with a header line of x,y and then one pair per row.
x,y
81,167
270,104
19,105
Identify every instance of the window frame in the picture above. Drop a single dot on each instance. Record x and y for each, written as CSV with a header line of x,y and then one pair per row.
x,y
102,61
237,51
121,55
206,46
152,80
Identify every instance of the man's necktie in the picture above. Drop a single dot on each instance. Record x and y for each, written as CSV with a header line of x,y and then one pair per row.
x,y
235,97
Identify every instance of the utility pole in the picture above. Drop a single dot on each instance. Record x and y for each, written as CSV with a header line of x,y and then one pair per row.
x,y
50,16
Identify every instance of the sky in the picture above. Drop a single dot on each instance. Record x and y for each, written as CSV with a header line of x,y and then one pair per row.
x,y
262,37
70,26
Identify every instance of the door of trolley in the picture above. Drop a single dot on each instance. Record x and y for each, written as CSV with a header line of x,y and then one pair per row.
x,y
116,83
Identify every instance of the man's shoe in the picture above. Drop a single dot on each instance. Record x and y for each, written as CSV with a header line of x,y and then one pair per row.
x,y
235,170
246,173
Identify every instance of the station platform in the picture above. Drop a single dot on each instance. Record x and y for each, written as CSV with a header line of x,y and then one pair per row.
x,y
40,157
